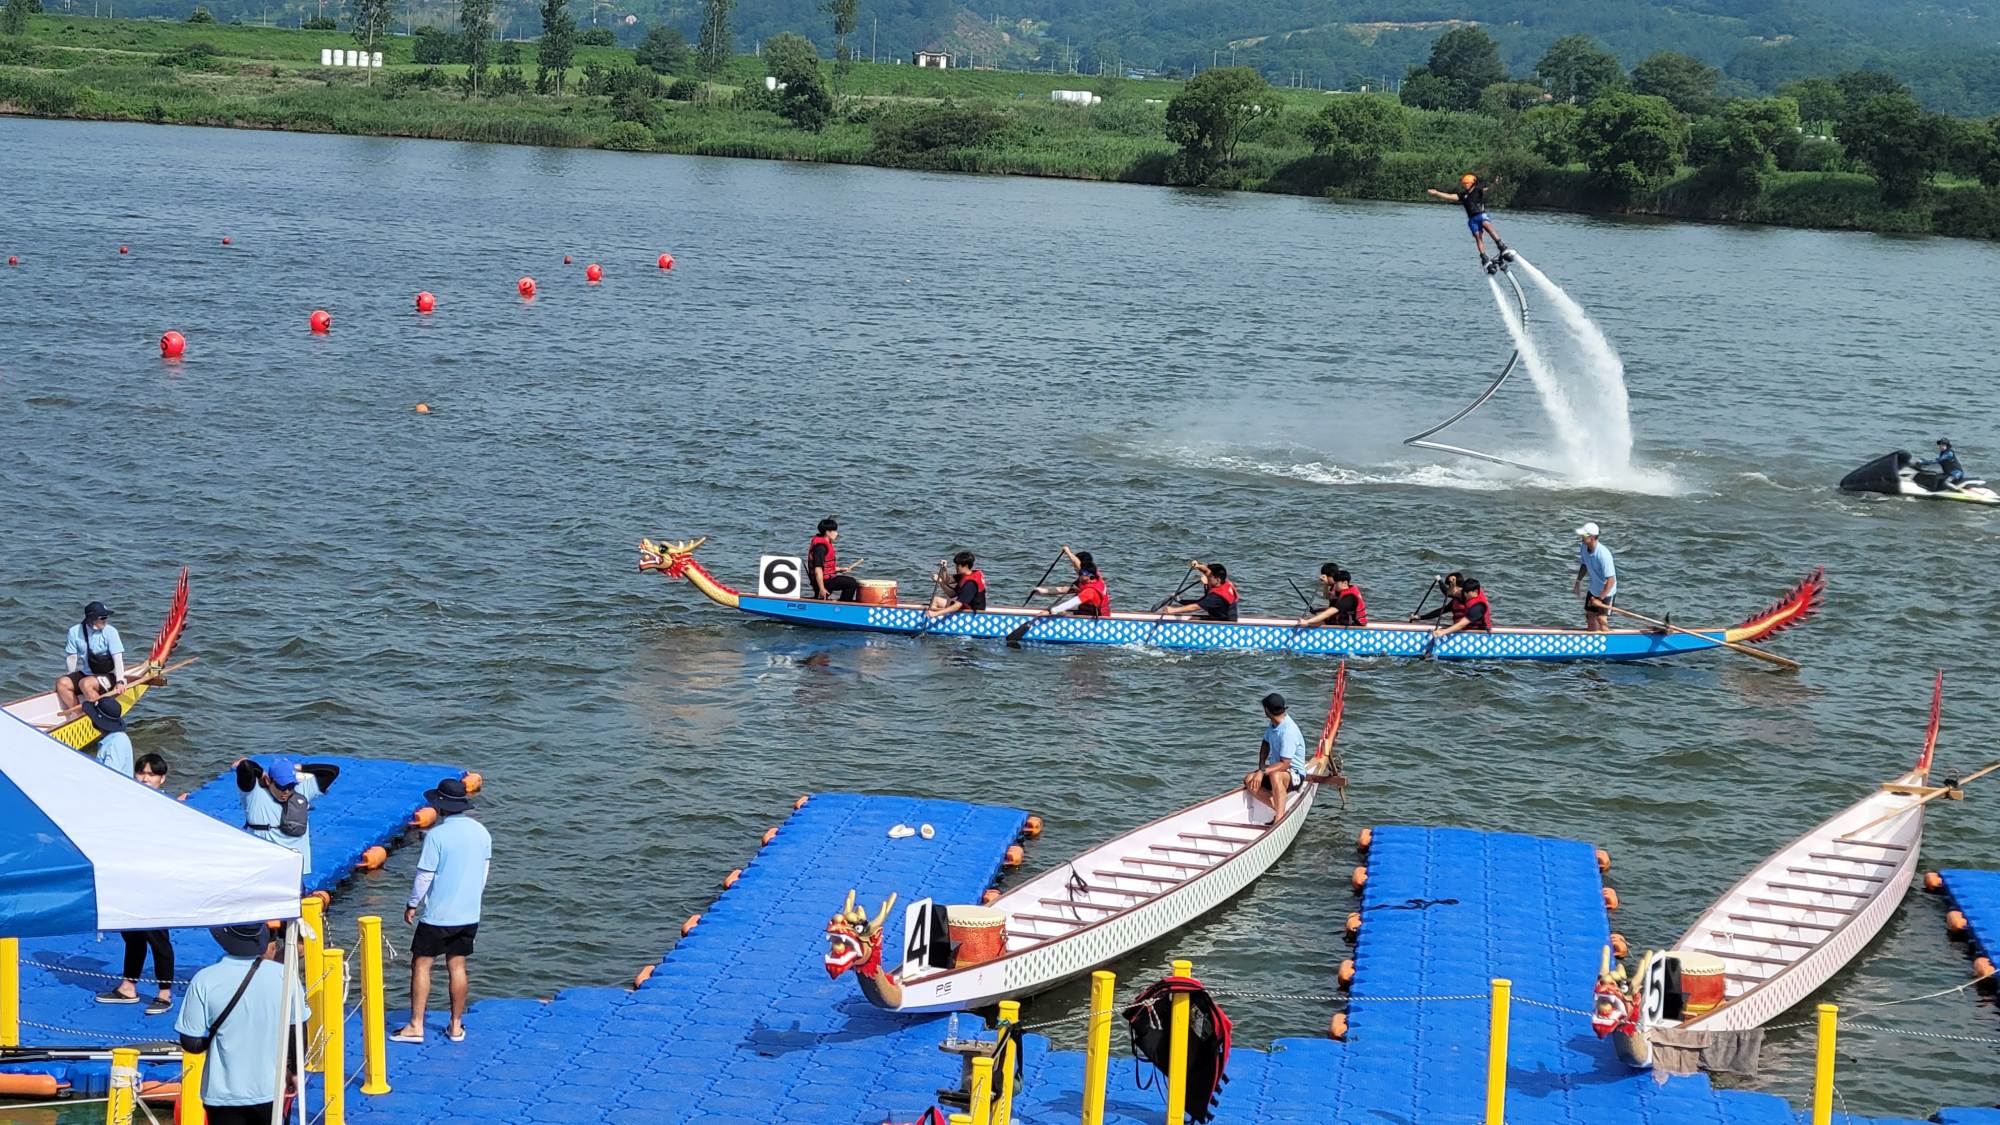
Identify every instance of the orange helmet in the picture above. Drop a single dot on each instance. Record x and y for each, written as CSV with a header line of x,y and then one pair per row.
x,y
1468,179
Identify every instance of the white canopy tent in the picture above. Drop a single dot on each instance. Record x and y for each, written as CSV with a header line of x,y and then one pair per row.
x,y
84,848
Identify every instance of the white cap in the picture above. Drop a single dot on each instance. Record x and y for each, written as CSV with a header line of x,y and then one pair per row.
x,y
1588,531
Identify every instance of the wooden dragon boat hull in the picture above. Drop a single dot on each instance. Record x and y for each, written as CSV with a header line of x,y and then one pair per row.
x,y
1251,633
72,728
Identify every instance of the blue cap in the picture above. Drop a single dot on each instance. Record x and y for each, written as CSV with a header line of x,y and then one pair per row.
x,y
282,774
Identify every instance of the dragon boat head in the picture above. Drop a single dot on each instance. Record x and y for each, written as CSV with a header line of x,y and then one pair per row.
x,y
856,940
670,559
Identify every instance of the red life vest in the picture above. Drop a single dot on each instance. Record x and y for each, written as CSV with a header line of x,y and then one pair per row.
x,y
1095,598
1461,610
975,597
1360,614
1227,591
828,570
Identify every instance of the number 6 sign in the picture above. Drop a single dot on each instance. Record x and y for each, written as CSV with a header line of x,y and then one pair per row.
x,y
778,576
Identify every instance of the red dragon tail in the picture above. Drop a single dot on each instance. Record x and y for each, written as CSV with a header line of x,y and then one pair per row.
x,y
170,630
1792,609
1930,736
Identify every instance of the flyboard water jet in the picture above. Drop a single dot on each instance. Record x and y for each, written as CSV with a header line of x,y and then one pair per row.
x,y
1513,361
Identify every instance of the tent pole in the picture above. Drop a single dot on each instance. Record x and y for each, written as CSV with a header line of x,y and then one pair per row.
x,y
288,984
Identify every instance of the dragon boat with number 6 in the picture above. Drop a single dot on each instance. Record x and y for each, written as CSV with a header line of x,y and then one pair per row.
x,y
1078,915
1270,634
72,727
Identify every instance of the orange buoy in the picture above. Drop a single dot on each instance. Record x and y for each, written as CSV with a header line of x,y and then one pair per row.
x,y
1014,856
645,974
1032,828
688,926
422,409
527,287
29,1085
373,858
1603,860
1366,838
160,1091
426,302
991,896
1619,947
565,259
729,880
171,344
801,802
770,834
1981,967
1336,1028
425,817
594,272
1360,879
325,898
1347,972
1954,922
123,250
473,781
1353,924
1933,881
322,321
666,261
1610,899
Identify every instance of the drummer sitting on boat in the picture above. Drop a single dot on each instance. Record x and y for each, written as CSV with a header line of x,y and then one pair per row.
x,y
95,655
1344,605
1218,595
829,578
1087,595
1280,758
967,586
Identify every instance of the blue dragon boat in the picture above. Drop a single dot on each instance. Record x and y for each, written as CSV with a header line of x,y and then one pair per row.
x,y
1263,634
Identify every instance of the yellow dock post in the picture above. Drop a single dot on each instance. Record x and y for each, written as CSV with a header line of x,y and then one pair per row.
x,y
1177,1061
333,1055
1496,1053
192,1111
374,1017
982,1090
312,967
10,992
1003,1106
124,1086
1097,1048
1829,1026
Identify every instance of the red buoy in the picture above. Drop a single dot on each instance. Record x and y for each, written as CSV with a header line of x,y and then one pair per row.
x,y
171,344
225,240
426,302
565,259
321,321
12,260
594,272
666,261
123,250
527,287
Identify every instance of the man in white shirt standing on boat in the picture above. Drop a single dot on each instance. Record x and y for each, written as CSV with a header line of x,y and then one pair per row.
x,y
1281,758
1593,561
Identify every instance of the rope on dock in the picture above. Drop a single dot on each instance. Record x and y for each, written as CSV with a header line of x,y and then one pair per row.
x,y
90,1035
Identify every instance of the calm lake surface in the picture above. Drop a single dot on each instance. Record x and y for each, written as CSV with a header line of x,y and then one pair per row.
x,y
1004,365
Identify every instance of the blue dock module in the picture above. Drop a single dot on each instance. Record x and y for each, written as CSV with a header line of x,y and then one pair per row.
x,y
371,803
1976,895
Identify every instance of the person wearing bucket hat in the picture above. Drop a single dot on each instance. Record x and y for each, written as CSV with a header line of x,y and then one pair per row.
x,y
232,1013
451,879
278,800
114,749
94,656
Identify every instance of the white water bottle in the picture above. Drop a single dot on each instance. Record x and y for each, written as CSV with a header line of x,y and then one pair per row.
x,y
951,1029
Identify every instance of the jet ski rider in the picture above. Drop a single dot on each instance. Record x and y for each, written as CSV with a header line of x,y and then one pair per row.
x,y
1946,462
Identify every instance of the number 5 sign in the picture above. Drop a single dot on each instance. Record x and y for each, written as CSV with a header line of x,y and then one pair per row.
x,y
778,576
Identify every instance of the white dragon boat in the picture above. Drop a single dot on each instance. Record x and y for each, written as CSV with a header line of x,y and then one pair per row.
x,y
1080,914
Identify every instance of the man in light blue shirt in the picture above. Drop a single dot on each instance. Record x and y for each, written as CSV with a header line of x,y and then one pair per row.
x,y
1281,758
93,651
237,1002
1593,561
267,793
451,878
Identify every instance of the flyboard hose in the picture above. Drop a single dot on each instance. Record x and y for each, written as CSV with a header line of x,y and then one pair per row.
x,y
1513,361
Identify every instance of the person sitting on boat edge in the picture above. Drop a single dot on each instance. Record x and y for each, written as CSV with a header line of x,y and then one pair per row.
x,y
92,651
1946,462
1594,562
1345,607
1281,758
1466,603
1218,597
277,802
828,577
967,584
1088,596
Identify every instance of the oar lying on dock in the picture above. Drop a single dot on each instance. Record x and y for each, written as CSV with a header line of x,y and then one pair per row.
x,y
1766,657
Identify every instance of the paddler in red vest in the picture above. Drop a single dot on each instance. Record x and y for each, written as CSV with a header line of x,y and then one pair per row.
x,y
1218,595
1466,603
1344,605
1087,595
828,577
967,586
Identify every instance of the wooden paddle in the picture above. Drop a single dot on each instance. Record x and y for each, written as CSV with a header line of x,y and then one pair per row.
x,y
1766,657
157,675
1924,800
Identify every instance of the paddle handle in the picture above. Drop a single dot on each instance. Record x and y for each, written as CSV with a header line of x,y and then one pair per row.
x,y
1766,657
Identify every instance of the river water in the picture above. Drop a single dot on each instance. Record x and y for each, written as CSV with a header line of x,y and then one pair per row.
x,y
1004,365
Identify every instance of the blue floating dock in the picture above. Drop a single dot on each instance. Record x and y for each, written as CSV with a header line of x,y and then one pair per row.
x,y
370,803
1976,894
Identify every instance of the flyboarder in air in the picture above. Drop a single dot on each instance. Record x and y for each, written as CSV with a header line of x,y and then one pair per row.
x,y
1472,194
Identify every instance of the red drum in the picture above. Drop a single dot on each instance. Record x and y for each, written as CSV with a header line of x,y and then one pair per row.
x,y
1702,980
876,591
979,931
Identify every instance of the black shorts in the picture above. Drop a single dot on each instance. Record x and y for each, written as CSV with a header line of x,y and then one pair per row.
x,y
259,1114
443,941
1591,609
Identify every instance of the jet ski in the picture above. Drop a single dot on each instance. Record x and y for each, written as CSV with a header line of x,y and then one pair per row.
x,y
1897,474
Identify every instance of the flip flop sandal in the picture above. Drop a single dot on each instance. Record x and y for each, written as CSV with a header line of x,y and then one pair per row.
x,y
901,832
457,1036
406,1037
927,832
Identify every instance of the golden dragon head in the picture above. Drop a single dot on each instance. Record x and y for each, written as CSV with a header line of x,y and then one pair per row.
x,y
670,559
856,940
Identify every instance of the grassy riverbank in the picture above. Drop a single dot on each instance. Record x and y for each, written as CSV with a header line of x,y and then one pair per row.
x,y
895,115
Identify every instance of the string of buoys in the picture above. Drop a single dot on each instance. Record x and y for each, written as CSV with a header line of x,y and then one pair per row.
x,y
322,322
172,344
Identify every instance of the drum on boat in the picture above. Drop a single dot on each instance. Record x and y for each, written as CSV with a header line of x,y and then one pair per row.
x,y
1702,980
979,932
876,591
